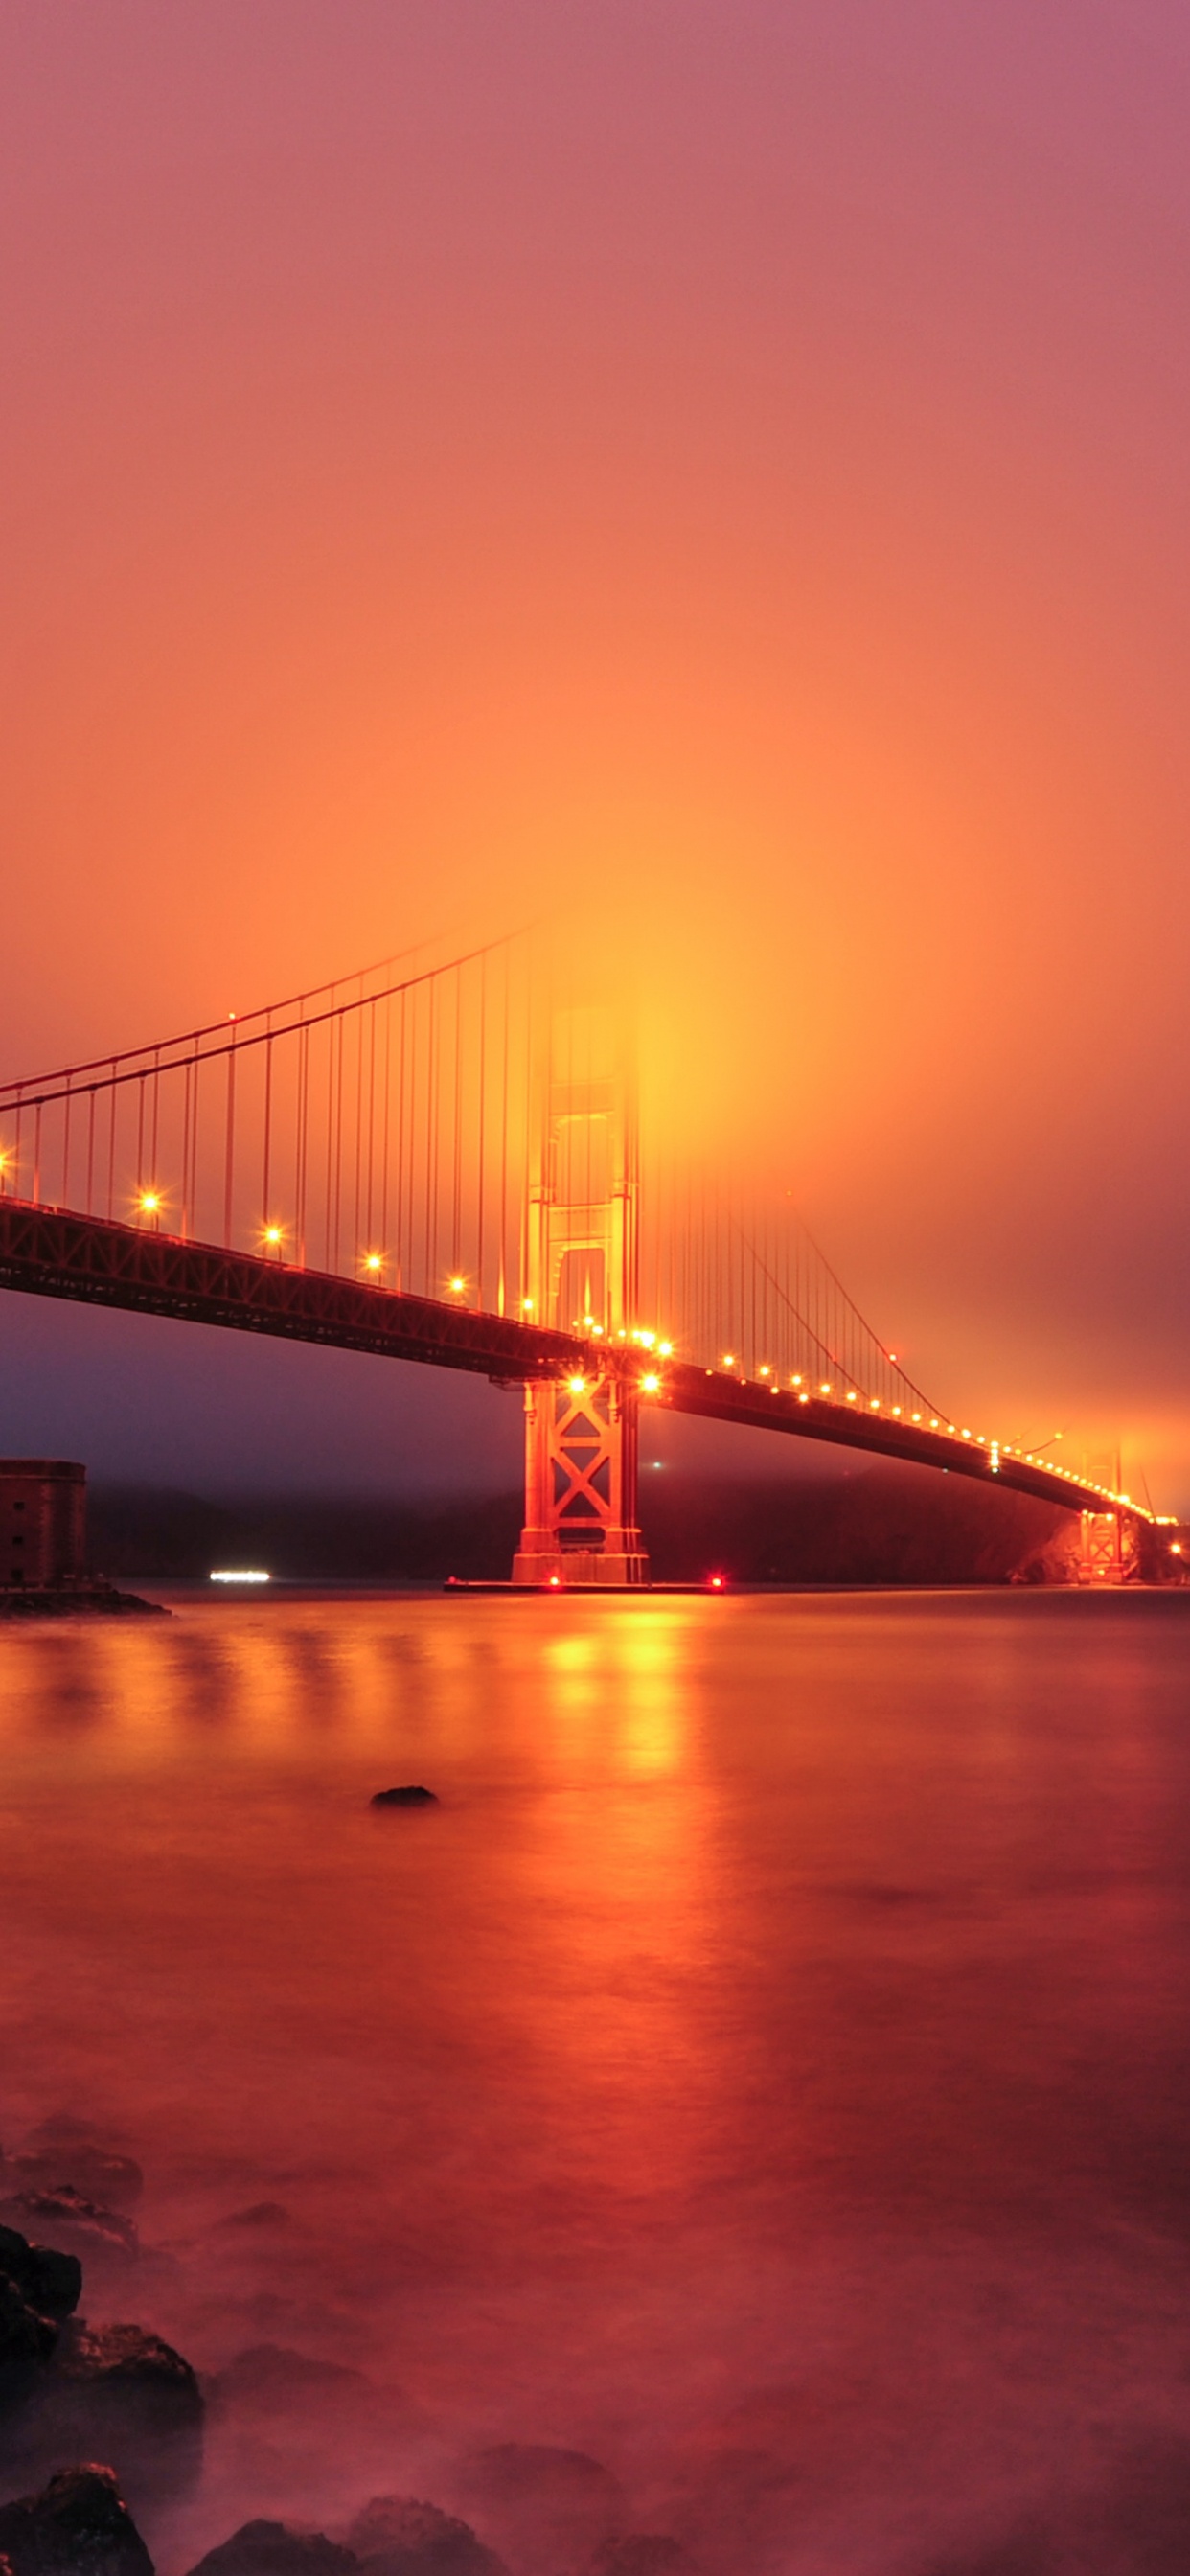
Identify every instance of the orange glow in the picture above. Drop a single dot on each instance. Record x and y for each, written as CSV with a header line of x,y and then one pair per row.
x,y
650,1384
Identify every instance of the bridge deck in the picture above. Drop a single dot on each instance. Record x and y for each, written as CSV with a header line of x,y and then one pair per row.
x,y
51,1252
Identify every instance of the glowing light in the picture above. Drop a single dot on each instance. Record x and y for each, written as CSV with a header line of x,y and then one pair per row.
x,y
874,1403
917,1417
240,1574
457,1284
666,1350
851,1395
272,1234
795,1381
527,1304
803,1398
729,1359
896,1408
1175,1547
577,1385
650,1383
933,1421
648,1339
893,1358
555,1580
765,1372
825,1387
150,1204
716,1581
373,1261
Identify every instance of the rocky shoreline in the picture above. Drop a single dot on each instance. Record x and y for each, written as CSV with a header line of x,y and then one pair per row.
x,y
95,2414
92,1598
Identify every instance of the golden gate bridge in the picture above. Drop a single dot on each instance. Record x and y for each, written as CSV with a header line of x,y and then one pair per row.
x,y
443,1162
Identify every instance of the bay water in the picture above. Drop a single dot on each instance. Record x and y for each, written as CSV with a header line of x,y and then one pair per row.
x,y
764,2072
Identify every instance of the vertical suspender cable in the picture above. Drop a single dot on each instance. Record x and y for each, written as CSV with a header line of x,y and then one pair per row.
x,y
229,1150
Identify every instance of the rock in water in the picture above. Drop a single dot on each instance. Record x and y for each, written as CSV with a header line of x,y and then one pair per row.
x,y
51,2282
73,2222
66,2150
277,2549
642,2553
409,1797
126,2375
27,2340
117,2393
547,2507
400,2536
78,2526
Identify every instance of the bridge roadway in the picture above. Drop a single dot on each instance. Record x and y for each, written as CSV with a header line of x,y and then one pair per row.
x,y
50,1252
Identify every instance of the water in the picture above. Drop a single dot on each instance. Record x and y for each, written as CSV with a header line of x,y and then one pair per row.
x,y
767,2071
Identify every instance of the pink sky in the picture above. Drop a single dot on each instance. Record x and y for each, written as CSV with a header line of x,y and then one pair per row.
x,y
722,466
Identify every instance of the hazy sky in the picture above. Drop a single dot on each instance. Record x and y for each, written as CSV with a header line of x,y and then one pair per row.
x,y
722,467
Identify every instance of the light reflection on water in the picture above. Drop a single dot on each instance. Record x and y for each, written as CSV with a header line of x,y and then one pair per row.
x,y
768,2069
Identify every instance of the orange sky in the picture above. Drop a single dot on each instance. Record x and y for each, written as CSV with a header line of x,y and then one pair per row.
x,y
722,467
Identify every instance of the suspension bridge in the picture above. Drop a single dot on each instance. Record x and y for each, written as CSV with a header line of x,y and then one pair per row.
x,y
442,1162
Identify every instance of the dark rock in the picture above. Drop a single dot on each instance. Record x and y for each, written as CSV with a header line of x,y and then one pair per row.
x,y
50,2282
27,2340
263,2213
410,1797
72,2222
65,2150
276,2549
542,2503
642,2553
114,2393
271,2379
78,2526
127,2375
400,2536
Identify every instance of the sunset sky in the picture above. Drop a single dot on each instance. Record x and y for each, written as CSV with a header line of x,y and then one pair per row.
x,y
716,470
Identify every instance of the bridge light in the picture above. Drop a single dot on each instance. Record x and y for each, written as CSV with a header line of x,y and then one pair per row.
x,y
803,1399
715,1581
373,1261
917,1417
825,1386
650,1383
851,1396
1175,1547
577,1385
150,1204
457,1285
766,1372
729,1359
527,1305
597,1330
666,1350
272,1234
896,1408
874,1403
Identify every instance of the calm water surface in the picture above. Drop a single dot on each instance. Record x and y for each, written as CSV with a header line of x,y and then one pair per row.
x,y
767,2071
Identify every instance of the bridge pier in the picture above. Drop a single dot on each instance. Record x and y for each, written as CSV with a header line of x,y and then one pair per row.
x,y
581,1273
1109,1551
580,1486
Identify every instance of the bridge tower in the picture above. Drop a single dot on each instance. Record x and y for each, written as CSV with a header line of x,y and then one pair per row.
x,y
581,1274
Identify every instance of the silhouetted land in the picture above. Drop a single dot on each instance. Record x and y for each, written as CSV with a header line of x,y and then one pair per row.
x,y
879,1525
